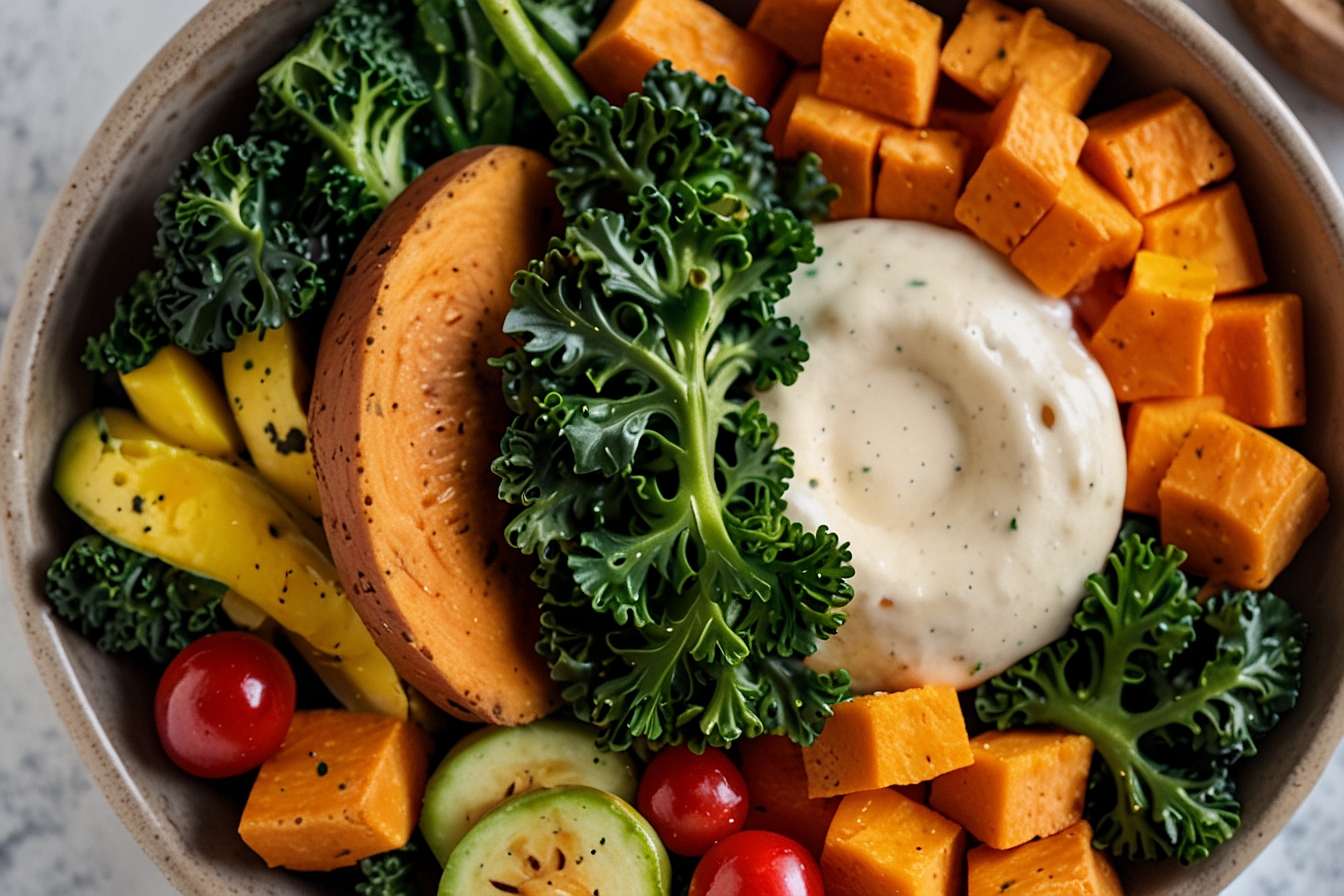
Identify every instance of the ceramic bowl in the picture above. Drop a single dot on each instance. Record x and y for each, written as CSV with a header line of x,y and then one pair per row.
x,y
100,232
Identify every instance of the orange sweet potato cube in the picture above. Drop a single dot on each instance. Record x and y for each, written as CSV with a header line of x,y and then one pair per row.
x,y
1060,66
1035,146
1155,429
1024,784
995,47
343,787
636,34
1152,343
1155,151
1065,863
882,56
1211,226
976,53
1239,501
971,124
1255,361
795,26
1086,230
846,139
920,175
777,783
884,844
801,81
884,739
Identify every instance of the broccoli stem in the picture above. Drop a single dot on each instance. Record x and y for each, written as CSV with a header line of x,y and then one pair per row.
x,y
554,84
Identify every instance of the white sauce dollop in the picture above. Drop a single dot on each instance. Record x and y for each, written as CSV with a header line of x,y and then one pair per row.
x,y
953,429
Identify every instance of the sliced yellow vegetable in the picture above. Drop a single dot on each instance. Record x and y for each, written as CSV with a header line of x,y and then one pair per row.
x,y
268,379
178,397
220,520
247,615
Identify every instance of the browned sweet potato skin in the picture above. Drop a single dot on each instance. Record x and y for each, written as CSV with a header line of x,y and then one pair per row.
x,y
406,417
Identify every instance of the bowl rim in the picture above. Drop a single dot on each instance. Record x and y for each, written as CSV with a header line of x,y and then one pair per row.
x,y
64,229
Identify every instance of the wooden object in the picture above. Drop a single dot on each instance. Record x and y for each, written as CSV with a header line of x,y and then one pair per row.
x,y
1306,36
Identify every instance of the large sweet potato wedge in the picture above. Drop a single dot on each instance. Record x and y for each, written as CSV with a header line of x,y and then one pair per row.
x,y
405,418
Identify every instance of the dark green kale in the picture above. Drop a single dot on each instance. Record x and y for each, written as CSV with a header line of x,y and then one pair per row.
x,y
126,601
352,89
476,94
1170,693
233,260
681,128
136,332
389,874
680,599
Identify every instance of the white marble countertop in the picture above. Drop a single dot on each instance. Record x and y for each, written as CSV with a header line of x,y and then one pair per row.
x,y
62,64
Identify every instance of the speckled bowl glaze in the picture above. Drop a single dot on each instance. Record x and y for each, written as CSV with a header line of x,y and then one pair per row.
x,y
100,232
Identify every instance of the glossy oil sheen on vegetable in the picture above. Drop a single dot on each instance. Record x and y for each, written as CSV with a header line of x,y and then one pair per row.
x,y
953,427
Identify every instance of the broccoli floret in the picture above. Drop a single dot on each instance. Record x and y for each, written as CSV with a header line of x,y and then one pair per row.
x,y
127,601
1170,693
389,874
233,260
136,332
353,88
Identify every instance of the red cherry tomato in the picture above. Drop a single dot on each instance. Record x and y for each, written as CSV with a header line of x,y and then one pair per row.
x,y
693,801
757,863
224,704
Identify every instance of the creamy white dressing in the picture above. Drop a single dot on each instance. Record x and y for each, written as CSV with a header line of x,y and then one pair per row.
x,y
953,429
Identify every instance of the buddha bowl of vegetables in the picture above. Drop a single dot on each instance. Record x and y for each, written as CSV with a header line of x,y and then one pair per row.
x,y
298,138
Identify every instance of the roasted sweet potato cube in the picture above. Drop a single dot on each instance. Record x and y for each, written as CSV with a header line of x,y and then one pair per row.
x,y
1086,230
1152,343
777,783
899,738
920,175
1024,784
795,26
1035,147
846,139
1155,429
1211,226
636,34
1062,68
973,124
995,47
882,56
1254,359
343,787
1064,863
1155,151
976,53
884,844
1239,501
801,81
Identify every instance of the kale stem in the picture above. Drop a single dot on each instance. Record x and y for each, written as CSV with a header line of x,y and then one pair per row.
x,y
553,83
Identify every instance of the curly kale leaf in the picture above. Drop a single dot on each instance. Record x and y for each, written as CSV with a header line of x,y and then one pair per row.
x,y
1170,693
679,599
233,261
127,601
352,87
681,128
390,874
136,332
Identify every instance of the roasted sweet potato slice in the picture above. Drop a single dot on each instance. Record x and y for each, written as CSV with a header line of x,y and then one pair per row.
x,y
405,418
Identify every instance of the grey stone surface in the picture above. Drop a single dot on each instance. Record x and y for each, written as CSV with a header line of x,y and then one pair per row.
x,y
62,63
